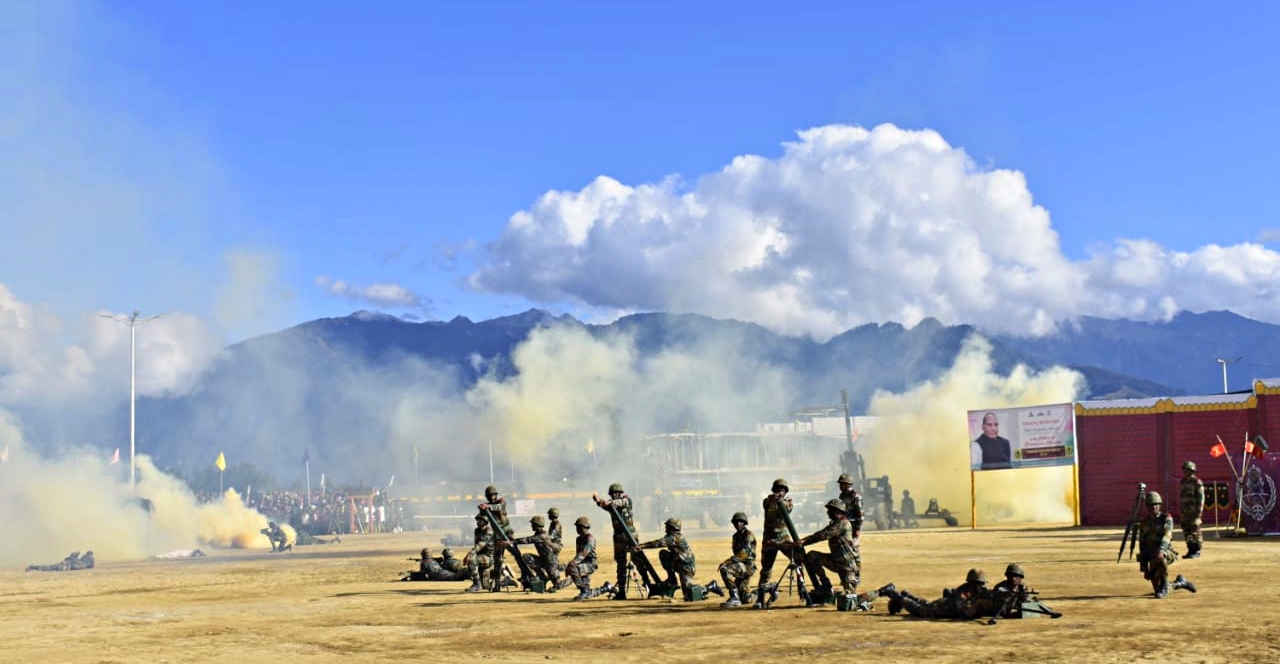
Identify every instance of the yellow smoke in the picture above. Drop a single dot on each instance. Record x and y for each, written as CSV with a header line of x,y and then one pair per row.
x,y
922,440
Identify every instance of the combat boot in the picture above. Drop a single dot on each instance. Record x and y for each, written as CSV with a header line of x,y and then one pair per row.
x,y
1193,550
714,587
760,597
1181,582
475,587
583,594
621,594
1162,590
733,602
886,590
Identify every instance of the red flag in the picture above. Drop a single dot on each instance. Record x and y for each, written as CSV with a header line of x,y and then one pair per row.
x,y
115,458
1257,447
1218,450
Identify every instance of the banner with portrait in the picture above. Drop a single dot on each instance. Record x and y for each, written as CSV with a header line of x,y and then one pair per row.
x,y
1027,437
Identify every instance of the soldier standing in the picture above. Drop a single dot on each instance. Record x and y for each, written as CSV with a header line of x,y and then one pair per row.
x,y
1155,548
1191,503
497,505
775,535
852,502
678,560
554,529
480,559
908,510
546,562
624,531
843,558
738,569
583,563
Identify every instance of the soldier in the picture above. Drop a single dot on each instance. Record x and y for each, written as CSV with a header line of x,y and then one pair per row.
x,y
624,532
1191,502
546,562
678,560
497,505
908,512
969,600
1155,548
843,558
852,502
554,529
775,536
1013,597
432,569
276,535
583,563
480,561
450,563
738,569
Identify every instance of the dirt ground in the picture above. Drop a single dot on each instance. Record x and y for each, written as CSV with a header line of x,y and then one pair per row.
x,y
343,602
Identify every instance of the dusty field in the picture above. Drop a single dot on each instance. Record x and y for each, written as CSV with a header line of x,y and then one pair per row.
x,y
342,603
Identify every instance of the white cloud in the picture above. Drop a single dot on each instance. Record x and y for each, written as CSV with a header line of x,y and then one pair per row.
x,y
850,226
383,295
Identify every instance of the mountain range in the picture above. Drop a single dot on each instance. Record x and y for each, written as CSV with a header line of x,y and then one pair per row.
x,y
358,394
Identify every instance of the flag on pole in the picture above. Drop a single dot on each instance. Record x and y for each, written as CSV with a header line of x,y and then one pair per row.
x,y
1218,450
392,482
415,454
1257,448
591,446
221,462
115,458
306,454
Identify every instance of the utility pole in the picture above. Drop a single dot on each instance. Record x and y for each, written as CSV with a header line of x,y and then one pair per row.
x,y
1224,363
133,321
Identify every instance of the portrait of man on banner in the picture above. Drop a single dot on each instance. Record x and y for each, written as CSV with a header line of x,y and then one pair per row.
x,y
990,450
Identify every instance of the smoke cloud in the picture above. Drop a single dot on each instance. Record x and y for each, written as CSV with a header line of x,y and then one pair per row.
x,y
922,440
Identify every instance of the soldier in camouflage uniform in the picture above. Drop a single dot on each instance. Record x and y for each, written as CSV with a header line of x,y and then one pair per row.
x,y
74,561
480,561
450,563
738,569
775,537
843,558
619,500
554,529
432,569
678,560
967,601
546,562
584,561
852,502
497,505
1155,548
1191,503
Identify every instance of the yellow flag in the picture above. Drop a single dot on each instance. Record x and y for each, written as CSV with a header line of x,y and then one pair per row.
x,y
591,446
221,462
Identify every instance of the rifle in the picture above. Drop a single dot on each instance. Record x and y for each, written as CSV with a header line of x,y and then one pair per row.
x,y
526,575
648,576
797,560
1131,528
1020,599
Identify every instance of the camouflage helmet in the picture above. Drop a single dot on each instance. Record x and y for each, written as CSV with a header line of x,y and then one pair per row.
x,y
1014,570
905,493
615,488
1190,465
538,522
582,522
1154,498
780,482
490,491
425,552
837,505
554,513
739,517
480,518
844,479
975,576
672,523
447,552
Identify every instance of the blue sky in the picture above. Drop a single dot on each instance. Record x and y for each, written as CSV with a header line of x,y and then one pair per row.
x,y
256,165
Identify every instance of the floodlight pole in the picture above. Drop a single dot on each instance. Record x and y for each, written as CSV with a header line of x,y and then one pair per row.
x,y
1224,363
133,321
